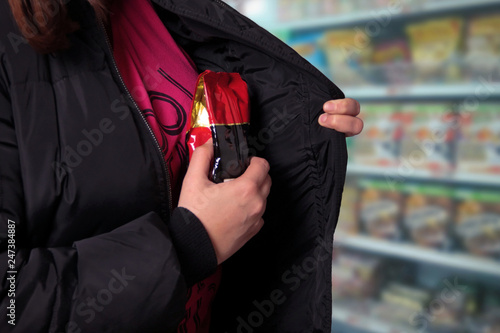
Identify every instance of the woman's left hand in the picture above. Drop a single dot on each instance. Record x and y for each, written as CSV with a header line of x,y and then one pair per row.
x,y
342,116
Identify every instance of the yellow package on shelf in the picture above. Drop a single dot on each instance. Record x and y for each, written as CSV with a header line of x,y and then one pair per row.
x,y
434,47
348,55
483,46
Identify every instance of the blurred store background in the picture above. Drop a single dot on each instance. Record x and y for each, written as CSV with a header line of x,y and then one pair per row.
x,y
418,241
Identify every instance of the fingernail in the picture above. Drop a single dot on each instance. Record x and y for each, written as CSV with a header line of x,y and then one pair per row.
x,y
330,106
323,118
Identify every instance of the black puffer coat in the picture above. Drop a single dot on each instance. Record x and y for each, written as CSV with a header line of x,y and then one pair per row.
x,y
84,187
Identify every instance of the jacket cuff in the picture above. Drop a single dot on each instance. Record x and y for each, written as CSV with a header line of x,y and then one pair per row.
x,y
193,246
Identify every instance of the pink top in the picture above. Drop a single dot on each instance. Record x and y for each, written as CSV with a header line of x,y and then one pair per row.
x,y
161,78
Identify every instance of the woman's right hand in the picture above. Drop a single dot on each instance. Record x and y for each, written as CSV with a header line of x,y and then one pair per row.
x,y
231,212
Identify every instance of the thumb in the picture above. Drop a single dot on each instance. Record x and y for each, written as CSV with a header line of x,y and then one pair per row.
x,y
201,160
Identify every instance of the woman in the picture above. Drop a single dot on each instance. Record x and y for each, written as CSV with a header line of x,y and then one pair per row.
x,y
93,106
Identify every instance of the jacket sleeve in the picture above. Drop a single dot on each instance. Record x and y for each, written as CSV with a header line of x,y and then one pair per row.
x,y
133,279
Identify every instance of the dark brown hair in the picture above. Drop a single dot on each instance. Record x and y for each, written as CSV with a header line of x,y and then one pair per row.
x,y
45,23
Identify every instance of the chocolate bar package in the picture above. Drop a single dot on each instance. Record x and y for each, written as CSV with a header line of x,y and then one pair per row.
x,y
220,111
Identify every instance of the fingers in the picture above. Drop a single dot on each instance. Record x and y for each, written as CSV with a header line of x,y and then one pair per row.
x,y
258,171
266,186
347,106
341,115
341,123
258,226
201,160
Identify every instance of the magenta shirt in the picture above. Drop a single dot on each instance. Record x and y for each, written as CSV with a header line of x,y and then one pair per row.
x,y
162,79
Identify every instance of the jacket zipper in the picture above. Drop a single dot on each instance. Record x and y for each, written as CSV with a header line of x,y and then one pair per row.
x,y
159,150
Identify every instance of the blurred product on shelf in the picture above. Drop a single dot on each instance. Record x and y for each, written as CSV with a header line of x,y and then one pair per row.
x,y
348,217
434,47
478,148
380,209
348,57
428,214
315,8
428,137
290,10
482,58
356,276
458,305
379,144
442,50
307,46
380,292
398,302
293,10
489,322
478,221
392,62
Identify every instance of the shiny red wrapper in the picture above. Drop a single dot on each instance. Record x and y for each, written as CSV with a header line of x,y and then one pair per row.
x,y
220,110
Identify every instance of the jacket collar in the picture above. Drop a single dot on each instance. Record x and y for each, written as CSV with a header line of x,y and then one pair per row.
x,y
220,16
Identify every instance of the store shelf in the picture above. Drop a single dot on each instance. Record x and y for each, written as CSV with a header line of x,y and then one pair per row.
x,y
431,6
396,175
323,22
416,253
453,91
362,323
333,21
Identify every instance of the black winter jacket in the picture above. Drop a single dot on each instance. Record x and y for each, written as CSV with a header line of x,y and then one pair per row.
x,y
84,193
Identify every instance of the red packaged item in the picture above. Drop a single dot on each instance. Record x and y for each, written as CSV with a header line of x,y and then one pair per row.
x,y
220,110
